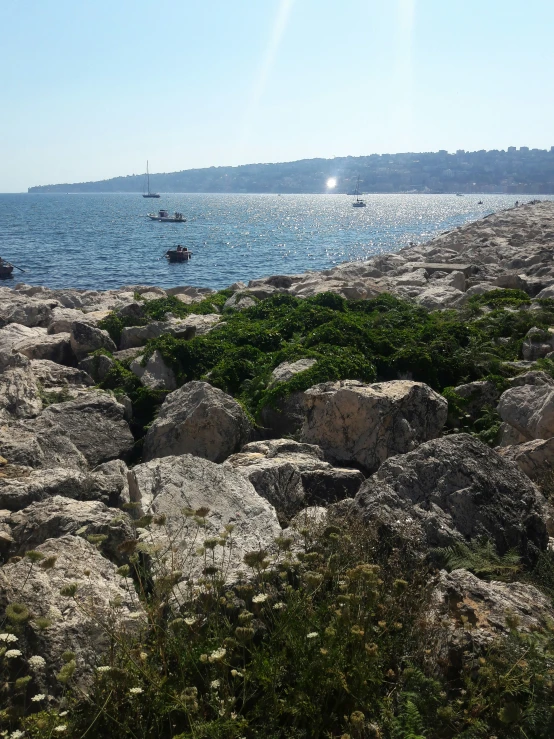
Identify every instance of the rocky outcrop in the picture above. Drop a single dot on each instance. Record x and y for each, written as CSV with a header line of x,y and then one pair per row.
x,y
97,366
198,419
457,489
537,344
38,444
364,424
53,375
478,395
181,328
530,410
19,392
155,373
86,338
85,624
172,485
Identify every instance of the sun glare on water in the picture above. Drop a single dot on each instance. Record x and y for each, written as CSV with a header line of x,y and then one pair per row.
x,y
332,182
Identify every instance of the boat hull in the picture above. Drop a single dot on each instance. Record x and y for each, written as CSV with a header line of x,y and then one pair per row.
x,y
358,205
5,271
151,195
168,220
178,256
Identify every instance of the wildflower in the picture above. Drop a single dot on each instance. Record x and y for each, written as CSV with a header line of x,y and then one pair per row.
x,y
312,635
13,653
143,656
103,668
135,691
278,606
60,728
17,612
189,620
260,598
203,658
215,684
36,662
236,673
217,655
38,697
63,713
8,638
17,734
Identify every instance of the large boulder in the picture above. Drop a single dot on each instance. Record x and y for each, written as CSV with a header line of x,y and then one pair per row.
x,y
104,606
39,443
57,516
457,489
198,419
171,485
537,343
53,375
95,423
20,395
364,424
27,311
530,410
32,485
477,395
97,366
154,373
181,328
86,338
535,458
286,415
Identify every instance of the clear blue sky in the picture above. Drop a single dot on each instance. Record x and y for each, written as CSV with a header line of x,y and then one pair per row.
x,y
91,89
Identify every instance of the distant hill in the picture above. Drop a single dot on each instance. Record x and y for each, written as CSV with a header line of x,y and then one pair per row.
x,y
516,170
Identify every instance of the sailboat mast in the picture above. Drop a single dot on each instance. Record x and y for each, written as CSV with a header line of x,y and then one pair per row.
x,y
147,177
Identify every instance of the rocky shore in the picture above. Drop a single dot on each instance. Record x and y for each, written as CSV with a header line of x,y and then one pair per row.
x,y
102,432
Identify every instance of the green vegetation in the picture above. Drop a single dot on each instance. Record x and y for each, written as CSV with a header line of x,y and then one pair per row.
x,y
334,640
372,340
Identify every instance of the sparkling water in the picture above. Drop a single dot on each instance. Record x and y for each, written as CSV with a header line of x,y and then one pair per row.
x,y
98,241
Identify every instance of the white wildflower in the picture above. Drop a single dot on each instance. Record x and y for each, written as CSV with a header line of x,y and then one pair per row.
x,y
60,728
260,598
236,673
312,635
143,656
13,653
103,668
17,734
38,697
189,620
279,605
63,713
135,691
8,638
36,662
217,654
215,684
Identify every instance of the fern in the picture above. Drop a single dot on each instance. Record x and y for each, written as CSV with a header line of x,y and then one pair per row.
x,y
481,558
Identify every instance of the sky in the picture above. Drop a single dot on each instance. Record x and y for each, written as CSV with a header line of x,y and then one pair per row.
x,y
92,89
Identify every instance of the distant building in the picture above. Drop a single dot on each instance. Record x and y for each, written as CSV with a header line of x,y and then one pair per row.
x,y
513,149
460,151
524,149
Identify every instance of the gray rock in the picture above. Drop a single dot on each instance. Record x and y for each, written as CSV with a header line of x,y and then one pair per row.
x,y
326,486
286,415
530,410
26,311
53,375
167,486
537,344
457,489
155,374
39,444
85,624
364,424
532,378
197,419
181,328
86,339
97,366
19,392
55,517
287,370
439,297
63,318
239,302
534,458
478,395
95,424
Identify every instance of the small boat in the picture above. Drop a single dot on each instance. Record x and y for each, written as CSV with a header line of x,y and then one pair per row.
x,y
164,217
480,202
6,269
178,255
459,194
149,194
358,203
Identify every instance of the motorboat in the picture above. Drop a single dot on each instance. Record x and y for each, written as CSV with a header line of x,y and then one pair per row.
x,y
358,203
164,217
6,269
149,194
180,254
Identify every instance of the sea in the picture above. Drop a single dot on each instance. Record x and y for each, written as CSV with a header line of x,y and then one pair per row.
x,y
106,241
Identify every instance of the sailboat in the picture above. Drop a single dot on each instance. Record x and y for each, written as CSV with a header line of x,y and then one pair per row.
x,y
358,203
149,194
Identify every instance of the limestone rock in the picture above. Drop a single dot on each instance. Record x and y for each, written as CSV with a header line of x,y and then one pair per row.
x,y
197,419
287,414
365,424
62,319
85,624
457,489
86,339
534,458
167,486
532,378
439,297
53,375
478,395
530,410
19,392
97,366
238,301
537,344
182,328
55,517
26,311
37,444
95,424
155,374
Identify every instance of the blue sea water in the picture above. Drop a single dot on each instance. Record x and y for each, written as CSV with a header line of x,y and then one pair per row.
x,y
98,241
